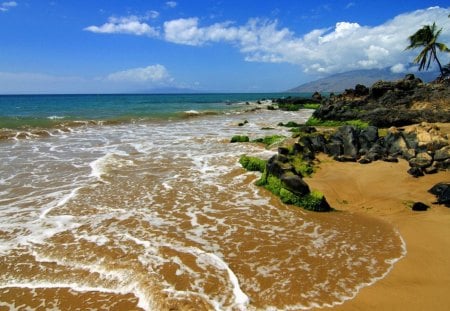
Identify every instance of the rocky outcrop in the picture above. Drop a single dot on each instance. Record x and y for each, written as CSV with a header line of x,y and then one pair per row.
x,y
425,148
389,103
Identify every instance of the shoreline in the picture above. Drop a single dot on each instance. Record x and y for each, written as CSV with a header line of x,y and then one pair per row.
x,y
419,280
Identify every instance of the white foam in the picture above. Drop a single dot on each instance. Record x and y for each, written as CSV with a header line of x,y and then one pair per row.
x,y
61,202
55,117
241,300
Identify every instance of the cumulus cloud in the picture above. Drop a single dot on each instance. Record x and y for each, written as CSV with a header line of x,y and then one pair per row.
x,y
346,46
133,25
5,6
153,73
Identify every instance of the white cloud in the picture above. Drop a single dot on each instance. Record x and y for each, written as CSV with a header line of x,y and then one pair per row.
x,y
346,46
171,4
153,74
133,25
398,68
5,6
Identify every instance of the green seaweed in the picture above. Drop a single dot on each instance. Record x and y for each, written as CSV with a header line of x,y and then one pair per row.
x,y
270,140
239,139
313,121
252,163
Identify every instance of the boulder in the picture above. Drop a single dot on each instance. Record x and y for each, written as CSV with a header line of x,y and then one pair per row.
x,y
395,142
334,149
295,184
442,154
348,136
422,160
279,165
367,138
415,172
376,152
442,193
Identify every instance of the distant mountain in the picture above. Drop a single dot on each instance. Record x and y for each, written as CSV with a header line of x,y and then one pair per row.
x,y
345,80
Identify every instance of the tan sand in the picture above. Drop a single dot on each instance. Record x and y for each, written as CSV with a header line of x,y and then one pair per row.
x,y
421,280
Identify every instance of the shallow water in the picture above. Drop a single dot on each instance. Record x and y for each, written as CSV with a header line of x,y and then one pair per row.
x,y
160,216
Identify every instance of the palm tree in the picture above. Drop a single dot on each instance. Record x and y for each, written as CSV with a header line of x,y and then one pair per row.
x,y
426,37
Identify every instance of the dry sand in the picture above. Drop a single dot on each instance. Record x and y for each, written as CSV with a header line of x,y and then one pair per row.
x,y
421,280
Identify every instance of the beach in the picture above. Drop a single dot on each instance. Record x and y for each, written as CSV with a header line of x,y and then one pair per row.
x,y
382,190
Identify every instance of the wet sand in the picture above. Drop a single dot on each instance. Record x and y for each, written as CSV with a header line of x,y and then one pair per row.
x,y
421,280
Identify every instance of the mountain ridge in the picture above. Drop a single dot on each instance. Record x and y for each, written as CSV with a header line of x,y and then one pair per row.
x,y
345,80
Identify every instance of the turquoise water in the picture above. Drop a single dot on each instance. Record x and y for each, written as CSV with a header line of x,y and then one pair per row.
x,y
24,111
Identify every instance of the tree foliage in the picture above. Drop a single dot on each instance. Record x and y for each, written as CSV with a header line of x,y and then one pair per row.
x,y
427,38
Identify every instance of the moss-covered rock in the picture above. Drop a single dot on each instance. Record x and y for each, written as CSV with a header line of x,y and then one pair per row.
x,y
252,163
270,140
239,139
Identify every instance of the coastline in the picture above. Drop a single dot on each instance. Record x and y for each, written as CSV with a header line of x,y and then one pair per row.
x,y
419,281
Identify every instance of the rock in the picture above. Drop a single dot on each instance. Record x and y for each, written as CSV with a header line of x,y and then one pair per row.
x,y
368,137
376,152
361,90
283,150
442,193
408,154
364,160
279,165
415,172
422,160
403,102
334,149
345,158
391,159
317,96
442,165
395,142
295,184
419,206
318,142
430,170
442,154
323,206
380,88
348,136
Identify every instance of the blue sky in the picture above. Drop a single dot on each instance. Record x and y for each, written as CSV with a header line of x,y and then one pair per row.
x,y
245,46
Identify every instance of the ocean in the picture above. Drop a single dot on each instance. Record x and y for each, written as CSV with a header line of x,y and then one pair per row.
x,y
138,202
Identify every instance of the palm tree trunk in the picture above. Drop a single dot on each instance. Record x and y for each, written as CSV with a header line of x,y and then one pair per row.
x,y
437,61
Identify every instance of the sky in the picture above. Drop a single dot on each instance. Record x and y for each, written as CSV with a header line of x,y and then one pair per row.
x,y
109,46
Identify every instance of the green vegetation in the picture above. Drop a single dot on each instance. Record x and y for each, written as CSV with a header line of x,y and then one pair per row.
x,y
270,140
295,106
289,106
290,124
332,123
302,167
427,37
239,139
252,163
311,106
312,201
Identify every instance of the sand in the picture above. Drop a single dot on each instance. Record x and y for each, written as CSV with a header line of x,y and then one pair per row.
x,y
420,280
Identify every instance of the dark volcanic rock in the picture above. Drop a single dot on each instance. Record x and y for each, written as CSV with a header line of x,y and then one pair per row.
x,y
442,193
278,165
295,184
415,172
419,206
390,103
